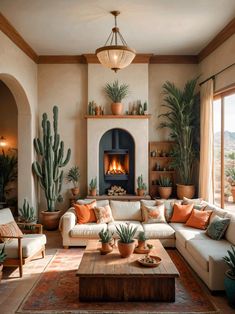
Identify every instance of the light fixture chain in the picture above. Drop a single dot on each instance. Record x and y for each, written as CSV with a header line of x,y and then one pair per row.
x,y
122,39
109,38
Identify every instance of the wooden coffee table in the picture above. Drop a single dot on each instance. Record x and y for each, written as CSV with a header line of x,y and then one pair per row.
x,y
112,278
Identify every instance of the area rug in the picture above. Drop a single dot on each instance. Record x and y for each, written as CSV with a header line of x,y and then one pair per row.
x,y
57,292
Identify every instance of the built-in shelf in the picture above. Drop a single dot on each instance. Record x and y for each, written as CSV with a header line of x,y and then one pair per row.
x,y
163,171
162,158
109,116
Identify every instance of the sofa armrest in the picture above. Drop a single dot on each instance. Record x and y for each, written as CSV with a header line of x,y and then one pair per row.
x,y
67,222
217,269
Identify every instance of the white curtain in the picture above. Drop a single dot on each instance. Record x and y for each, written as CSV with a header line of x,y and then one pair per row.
x,y
206,178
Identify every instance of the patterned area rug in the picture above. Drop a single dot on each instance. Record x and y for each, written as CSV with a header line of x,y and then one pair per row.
x,y
57,291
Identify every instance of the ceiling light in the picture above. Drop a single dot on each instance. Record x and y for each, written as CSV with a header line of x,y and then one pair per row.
x,y
115,54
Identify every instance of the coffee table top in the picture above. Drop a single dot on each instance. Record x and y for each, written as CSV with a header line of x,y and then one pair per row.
x,y
93,263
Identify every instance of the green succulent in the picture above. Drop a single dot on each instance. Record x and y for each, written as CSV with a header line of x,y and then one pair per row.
x,y
2,255
93,184
140,183
27,212
105,236
164,181
126,233
73,175
115,92
230,261
142,236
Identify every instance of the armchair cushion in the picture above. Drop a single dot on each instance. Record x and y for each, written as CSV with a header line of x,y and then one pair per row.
x,y
10,229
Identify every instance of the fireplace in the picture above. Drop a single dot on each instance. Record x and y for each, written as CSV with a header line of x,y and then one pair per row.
x,y
116,161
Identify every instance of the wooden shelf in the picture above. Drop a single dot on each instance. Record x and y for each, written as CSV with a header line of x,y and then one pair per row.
x,y
163,171
109,116
162,158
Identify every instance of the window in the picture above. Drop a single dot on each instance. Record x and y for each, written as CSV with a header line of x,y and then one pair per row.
x,y
224,149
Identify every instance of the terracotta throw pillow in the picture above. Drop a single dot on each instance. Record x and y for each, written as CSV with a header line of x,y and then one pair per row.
x,y
103,214
153,214
199,219
10,229
169,206
181,213
85,213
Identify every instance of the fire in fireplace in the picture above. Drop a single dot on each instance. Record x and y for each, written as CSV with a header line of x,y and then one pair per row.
x,y
116,167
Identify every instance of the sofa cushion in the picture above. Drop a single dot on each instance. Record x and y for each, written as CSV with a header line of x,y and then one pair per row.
x,y
230,233
184,233
198,203
153,214
201,250
181,213
6,216
169,205
103,214
199,219
112,226
217,227
10,229
31,243
85,213
159,231
126,210
99,203
216,211
89,230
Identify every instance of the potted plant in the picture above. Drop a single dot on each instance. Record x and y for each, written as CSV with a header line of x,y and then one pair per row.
x,y
50,151
142,187
93,187
8,172
229,281
182,118
165,187
126,243
106,238
116,93
141,240
230,173
2,259
73,176
27,215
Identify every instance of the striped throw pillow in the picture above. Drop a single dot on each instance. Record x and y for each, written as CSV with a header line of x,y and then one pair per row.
x,y
10,229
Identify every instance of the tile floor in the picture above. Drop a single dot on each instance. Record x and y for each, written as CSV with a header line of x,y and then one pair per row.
x,y
13,289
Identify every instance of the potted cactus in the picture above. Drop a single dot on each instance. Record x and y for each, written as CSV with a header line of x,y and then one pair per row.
x,y
141,240
116,93
165,187
2,259
106,238
229,281
93,187
142,187
73,176
50,151
27,215
126,243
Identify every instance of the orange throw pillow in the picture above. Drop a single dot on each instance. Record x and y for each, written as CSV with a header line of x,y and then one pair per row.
x,y
199,219
85,213
181,213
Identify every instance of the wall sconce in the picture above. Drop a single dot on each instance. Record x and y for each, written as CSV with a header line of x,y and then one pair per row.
x,y
3,142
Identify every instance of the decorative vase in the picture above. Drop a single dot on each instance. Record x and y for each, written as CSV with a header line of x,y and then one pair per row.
x,y
233,192
229,284
140,192
165,191
126,249
93,192
185,191
75,191
117,108
50,220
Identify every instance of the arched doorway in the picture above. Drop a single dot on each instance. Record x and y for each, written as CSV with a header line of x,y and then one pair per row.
x,y
25,139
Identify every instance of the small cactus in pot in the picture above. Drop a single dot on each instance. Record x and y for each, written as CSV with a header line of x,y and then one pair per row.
x,y
141,240
93,186
142,187
106,238
126,243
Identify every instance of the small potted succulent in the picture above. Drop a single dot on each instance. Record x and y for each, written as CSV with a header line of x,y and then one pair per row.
x,y
116,93
93,186
106,238
2,259
230,173
141,240
165,187
73,176
27,215
229,281
126,242
142,187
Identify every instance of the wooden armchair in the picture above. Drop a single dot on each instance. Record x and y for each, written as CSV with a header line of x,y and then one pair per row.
x,y
21,249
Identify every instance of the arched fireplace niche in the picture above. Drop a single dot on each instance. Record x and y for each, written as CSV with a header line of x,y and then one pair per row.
x,y
116,161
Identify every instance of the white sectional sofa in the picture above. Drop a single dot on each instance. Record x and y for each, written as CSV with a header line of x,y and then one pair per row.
x,y
202,253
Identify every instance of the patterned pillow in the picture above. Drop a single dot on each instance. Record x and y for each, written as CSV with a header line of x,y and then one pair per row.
x,y
198,203
10,229
153,214
217,227
103,214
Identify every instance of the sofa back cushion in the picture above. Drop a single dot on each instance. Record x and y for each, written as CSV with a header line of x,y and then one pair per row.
x,y
10,229
85,213
199,219
230,233
126,210
5,216
99,203
181,213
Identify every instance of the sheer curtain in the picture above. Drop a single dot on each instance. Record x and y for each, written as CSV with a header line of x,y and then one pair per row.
x,y
206,179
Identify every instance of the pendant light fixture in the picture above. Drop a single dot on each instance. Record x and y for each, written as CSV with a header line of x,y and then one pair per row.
x,y
115,54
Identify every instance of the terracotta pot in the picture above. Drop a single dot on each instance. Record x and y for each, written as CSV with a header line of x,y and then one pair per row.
x,y
140,192
75,191
50,220
117,108
233,192
141,244
93,192
106,248
165,191
185,191
126,249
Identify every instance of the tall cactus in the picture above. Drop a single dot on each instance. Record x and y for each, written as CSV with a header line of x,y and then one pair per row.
x,y
51,154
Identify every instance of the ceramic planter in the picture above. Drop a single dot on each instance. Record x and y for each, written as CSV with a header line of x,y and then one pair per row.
x,y
75,191
106,248
229,284
126,249
165,191
50,220
117,108
185,191
141,244
93,192
140,192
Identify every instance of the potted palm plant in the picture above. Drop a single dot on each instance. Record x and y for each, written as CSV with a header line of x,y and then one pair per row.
x,y
182,118
126,243
116,93
230,173
141,186
93,186
73,176
165,187
229,281
47,168
106,238
2,259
